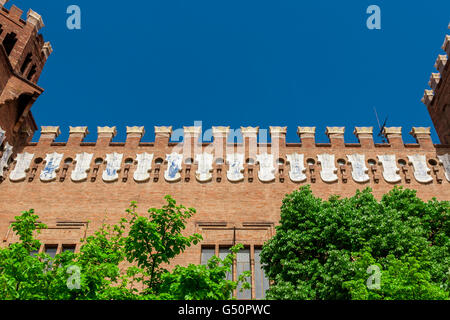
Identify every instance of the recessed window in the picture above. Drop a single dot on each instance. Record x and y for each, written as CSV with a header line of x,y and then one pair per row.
x,y
38,160
68,161
207,254
51,250
372,162
402,162
223,253
280,161
244,262
32,72
98,161
261,281
310,161
9,42
129,161
432,162
243,265
159,161
26,63
68,248
189,161
341,162
219,161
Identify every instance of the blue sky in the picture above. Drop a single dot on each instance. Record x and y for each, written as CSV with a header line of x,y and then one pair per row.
x,y
238,63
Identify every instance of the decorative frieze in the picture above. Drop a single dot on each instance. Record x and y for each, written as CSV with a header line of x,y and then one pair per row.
x,y
264,167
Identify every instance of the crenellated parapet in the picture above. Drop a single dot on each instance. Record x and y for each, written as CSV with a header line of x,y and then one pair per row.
x,y
27,47
437,99
255,135
219,161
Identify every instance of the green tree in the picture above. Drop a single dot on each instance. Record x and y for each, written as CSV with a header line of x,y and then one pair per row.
x,y
127,260
323,249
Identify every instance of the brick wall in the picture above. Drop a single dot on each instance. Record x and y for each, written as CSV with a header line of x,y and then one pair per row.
x,y
244,211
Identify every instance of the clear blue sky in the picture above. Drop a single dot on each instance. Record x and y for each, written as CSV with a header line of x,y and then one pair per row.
x,y
238,62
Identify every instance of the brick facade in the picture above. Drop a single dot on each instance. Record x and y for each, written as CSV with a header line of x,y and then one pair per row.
x,y
228,211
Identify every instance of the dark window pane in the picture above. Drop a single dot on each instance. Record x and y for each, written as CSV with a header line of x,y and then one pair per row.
x,y
242,265
51,250
34,253
70,248
223,252
261,282
207,253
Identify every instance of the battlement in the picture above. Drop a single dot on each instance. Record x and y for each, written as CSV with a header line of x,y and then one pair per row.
x,y
22,42
15,15
223,135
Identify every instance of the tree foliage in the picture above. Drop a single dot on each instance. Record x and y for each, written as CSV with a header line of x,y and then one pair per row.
x,y
324,249
125,261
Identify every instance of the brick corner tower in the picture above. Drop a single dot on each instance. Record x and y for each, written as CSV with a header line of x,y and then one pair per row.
x,y
23,54
437,99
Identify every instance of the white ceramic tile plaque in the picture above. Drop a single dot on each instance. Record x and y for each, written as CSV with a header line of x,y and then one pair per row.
x,y
174,161
80,172
421,170
113,163
144,165
328,172
445,160
236,167
52,162
23,162
390,169
266,171
204,162
359,169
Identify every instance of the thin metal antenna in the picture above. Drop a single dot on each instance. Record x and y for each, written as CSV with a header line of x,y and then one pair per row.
x,y
381,127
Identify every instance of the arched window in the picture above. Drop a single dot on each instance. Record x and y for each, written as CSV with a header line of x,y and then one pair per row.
x,y
9,42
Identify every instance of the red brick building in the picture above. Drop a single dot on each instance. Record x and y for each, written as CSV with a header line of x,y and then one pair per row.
x,y
236,188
